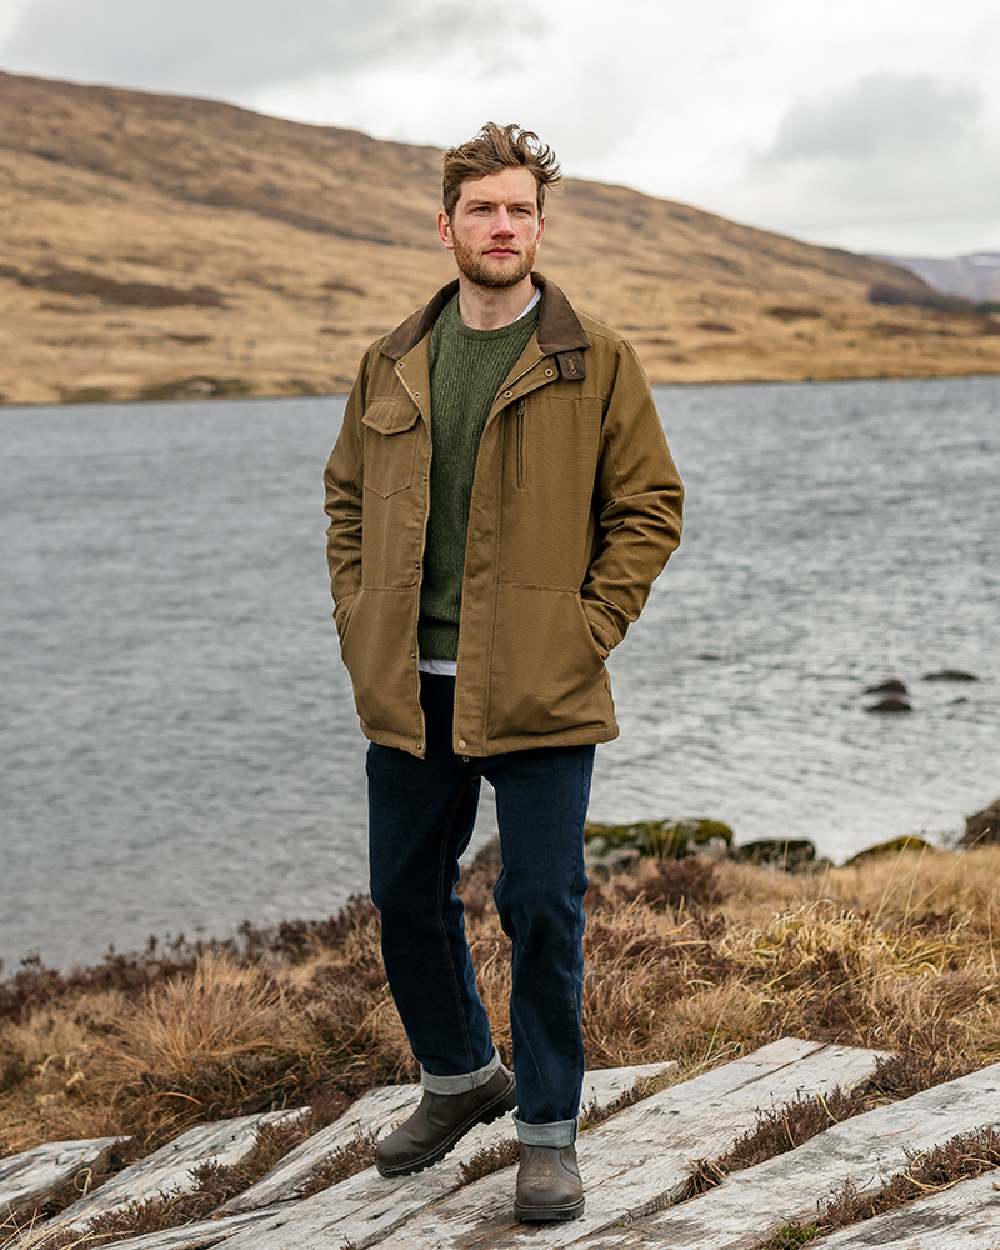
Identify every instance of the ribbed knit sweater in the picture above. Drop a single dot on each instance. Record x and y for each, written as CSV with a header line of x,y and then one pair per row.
x,y
466,367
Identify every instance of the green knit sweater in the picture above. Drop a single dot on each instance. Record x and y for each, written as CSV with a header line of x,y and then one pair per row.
x,y
467,367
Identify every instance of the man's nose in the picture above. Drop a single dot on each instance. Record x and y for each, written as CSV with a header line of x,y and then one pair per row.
x,y
502,224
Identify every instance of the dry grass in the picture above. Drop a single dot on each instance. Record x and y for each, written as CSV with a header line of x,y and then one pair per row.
x,y
691,961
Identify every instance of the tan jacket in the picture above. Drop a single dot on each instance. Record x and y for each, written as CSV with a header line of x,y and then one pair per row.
x,y
575,508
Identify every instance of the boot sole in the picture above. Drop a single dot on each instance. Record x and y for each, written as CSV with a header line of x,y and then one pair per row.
x,y
491,1111
533,1215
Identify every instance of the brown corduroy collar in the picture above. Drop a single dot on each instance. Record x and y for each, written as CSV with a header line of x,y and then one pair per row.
x,y
559,328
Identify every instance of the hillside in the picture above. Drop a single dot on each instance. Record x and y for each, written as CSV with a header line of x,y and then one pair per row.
x,y
157,245
975,276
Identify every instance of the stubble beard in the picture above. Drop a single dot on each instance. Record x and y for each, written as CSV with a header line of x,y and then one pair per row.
x,y
476,268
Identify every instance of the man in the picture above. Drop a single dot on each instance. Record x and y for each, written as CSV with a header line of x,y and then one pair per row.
x,y
501,497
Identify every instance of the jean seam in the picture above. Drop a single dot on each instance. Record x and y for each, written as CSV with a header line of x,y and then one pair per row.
x,y
441,926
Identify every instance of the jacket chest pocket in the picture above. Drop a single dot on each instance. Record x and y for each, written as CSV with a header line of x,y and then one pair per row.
x,y
390,445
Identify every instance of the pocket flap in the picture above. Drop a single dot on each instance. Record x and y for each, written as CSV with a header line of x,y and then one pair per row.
x,y
389,416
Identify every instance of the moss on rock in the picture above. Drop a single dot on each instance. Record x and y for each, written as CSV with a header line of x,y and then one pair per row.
x,y
661,839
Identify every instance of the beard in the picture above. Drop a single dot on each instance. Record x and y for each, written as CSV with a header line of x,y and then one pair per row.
x,y
483,272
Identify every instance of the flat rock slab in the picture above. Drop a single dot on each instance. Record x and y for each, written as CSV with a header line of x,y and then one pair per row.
x,y
194,1236
378,1111
867,1149
168,1170
28,1177
964,1217
641,1157
361,1210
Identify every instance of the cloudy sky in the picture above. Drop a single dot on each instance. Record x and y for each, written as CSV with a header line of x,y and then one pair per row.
x,y
870,124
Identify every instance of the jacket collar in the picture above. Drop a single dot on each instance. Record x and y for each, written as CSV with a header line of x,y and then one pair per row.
x,y
559,329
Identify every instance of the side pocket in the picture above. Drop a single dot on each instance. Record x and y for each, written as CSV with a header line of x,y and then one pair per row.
x,y
598,650
342,617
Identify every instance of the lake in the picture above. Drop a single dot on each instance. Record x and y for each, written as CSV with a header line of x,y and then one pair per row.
x,y
179,748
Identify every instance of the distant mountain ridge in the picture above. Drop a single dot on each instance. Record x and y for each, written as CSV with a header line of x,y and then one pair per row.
x,y
974,276
159,246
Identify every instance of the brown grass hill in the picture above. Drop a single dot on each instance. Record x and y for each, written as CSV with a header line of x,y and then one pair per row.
x,y
158,245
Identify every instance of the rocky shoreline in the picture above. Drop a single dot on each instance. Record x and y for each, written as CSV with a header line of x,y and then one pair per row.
x,y
614,847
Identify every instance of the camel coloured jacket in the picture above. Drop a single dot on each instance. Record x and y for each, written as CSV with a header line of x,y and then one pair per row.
x,y
576,506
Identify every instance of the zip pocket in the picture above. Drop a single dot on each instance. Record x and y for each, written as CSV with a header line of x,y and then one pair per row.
x,y
519,442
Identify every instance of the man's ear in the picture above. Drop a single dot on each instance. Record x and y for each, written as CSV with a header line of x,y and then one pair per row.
x,y
444,230
541,229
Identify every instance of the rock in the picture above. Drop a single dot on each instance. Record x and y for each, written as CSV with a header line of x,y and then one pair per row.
x,y
892,686
892,704
950,674
792,854
906,842
663,839
983,828
613,860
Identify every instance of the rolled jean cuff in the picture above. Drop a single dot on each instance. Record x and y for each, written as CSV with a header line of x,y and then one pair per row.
x,y
556,1133
464,1081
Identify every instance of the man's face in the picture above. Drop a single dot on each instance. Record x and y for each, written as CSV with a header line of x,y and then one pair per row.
x,y
495,228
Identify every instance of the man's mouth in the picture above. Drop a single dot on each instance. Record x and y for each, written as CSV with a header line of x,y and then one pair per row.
x,y
501,251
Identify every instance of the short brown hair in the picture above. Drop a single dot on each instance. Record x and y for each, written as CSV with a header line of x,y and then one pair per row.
x,y
493,149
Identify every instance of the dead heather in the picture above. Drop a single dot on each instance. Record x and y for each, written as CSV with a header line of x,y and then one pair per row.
x,y
786,1127
339,1164
962,1157
690,960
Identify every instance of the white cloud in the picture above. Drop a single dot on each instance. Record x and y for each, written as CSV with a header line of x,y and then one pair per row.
x,y
232,48
902,158
872,124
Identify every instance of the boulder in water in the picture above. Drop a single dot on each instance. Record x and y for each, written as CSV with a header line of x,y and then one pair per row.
x,y
892,686
789,853
907,842
662,839
983,828
891,704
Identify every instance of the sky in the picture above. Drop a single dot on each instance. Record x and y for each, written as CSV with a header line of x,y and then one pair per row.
x,y
870,124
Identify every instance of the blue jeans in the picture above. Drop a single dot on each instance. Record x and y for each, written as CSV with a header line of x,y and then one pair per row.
x,y
421,815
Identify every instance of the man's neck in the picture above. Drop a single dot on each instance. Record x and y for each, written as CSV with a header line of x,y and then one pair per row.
x,y
489,308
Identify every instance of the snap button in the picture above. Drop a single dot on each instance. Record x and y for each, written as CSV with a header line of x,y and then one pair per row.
x,y
548,373
507,394
413,655
461,742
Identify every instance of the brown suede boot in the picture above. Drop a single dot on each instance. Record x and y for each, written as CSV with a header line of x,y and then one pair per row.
x,y
440,1120
548,1184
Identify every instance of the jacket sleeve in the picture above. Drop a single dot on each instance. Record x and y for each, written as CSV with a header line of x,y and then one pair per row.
x,y
638,503
343,479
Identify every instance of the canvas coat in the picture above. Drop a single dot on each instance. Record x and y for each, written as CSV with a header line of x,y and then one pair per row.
x,y
575,508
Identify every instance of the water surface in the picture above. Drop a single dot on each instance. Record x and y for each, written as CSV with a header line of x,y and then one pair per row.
x,y
179,748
